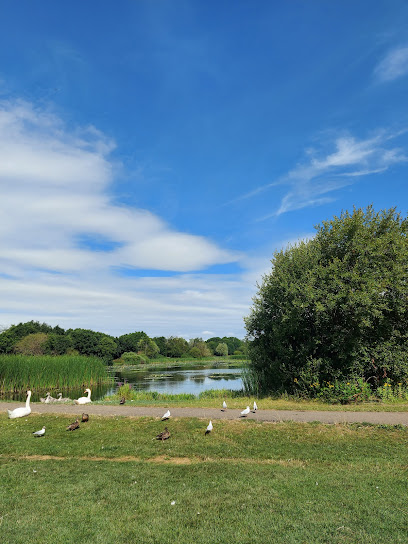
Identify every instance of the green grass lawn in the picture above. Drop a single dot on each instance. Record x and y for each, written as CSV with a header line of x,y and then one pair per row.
x,y
246,482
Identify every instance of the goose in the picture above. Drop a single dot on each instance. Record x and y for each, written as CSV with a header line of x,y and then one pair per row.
x,y
23,410
209,428
224,406
84,418
245,412
84,400
164,435
122,400
41,432
255,407
166,415
73,426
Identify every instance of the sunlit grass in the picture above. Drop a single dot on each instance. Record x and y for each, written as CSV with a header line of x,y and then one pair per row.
x,y
286,483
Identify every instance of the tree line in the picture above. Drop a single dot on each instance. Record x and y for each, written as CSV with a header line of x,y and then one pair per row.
x,y
34,338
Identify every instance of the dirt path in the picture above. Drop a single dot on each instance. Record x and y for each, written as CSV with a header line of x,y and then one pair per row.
x,y
388,418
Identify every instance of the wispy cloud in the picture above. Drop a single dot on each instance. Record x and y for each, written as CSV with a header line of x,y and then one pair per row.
x,y
315,181
393,65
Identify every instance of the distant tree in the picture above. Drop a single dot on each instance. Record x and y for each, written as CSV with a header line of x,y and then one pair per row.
x,y
213,342
201,346
13,334
57,344
161,343
176,346
148,347
233,343
221,349
32,344
107,348
195,353
129,342
85,341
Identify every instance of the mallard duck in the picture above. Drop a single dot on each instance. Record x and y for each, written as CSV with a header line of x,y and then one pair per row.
x,y
166,415
245,412
164,435
23,410
41,432
209,428
122,400
84,400
73,426
84,418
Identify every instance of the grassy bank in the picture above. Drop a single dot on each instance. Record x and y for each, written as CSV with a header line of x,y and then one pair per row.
x,y
19,372
246,482
165,363
237,399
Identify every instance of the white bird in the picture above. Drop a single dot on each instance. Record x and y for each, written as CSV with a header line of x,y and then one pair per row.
x,y
224,406
255,407
245,412
166,415
23,410
41,432
209,428
84,400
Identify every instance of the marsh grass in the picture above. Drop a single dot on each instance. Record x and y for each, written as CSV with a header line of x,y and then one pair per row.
x,y
19,372
287,483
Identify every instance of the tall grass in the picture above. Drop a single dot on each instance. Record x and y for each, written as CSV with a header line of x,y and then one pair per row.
x,y
20,372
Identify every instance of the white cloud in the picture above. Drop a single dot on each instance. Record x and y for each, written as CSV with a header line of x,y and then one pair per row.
x,y
54,192
393,65
315,181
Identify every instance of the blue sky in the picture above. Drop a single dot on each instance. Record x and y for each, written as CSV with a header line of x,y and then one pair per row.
x,y
154,155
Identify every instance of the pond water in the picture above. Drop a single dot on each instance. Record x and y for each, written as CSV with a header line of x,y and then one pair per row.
x,y
174,380
181,380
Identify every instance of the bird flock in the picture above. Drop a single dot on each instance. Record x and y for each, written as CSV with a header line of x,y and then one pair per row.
x,y
24,411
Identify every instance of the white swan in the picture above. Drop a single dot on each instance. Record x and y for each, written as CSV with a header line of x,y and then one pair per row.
x,y
23,410
84,400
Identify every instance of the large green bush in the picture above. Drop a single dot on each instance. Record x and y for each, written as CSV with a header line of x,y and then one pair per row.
x,y
335,307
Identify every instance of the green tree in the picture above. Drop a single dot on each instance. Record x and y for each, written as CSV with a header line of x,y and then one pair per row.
x,y
161,343
198,348
129,342
32,344
221,349
107,348
176,346
148,347
57,344
336,306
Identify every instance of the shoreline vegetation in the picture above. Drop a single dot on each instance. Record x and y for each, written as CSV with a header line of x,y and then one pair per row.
x,y
20,372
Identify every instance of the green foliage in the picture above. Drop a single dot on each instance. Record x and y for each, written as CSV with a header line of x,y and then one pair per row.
x,y
148,347
129,342
221,349
19,372
57,344
10,337
176,346
132,358
335,307
106,348
161,343
32,344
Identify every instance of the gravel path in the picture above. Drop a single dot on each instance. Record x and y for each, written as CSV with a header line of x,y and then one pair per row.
x,y
388,418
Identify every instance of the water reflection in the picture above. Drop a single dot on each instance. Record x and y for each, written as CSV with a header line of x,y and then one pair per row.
x,y
171,381
182,380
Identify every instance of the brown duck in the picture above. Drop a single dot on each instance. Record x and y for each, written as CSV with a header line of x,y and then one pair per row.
x,y
122,400
164,435
85,417
73,426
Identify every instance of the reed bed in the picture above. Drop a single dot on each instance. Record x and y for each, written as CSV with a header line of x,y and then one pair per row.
x,y
20,372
